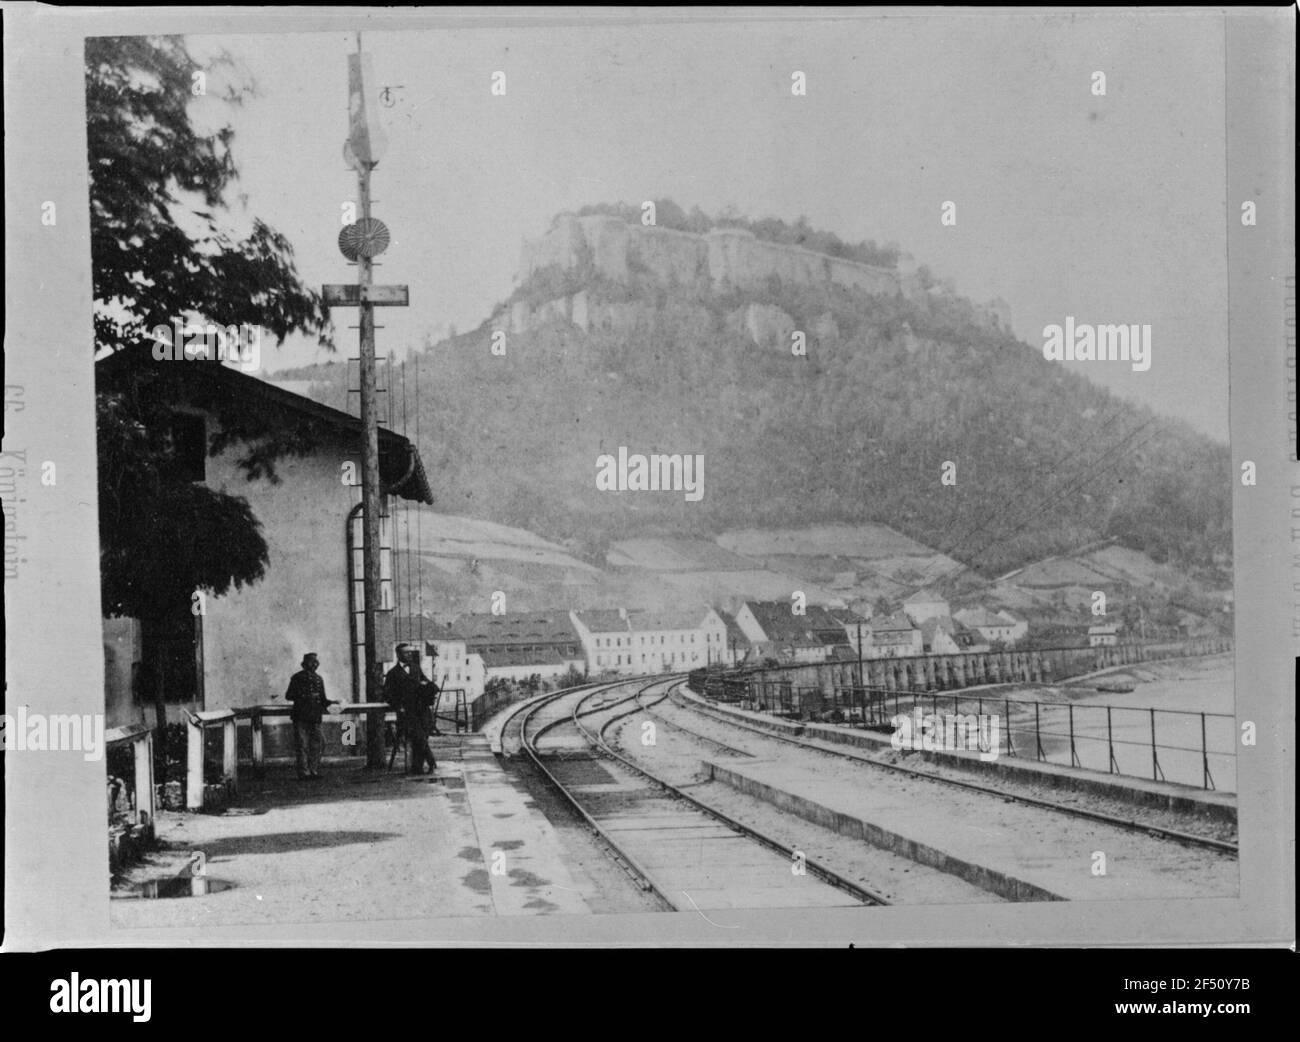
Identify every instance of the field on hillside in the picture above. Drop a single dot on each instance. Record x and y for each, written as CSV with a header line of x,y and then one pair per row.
x,y
866,540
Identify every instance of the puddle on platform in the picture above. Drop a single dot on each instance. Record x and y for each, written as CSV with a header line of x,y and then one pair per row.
x,y
177,886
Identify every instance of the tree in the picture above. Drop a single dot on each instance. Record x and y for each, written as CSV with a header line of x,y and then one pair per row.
x,y
162,251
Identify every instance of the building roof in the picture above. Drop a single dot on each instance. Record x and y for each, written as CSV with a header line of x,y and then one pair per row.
x,y
413,628
981,617
1109,627
735,635
781,625
818,627
603,620
518,657
213,384
937,622
816,617
517,627
848,618
667,619
896,623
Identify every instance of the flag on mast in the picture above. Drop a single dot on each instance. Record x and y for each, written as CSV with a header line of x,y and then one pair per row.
x,y
366,142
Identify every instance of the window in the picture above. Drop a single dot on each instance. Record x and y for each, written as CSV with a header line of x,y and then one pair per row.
x,y
187,447
171,657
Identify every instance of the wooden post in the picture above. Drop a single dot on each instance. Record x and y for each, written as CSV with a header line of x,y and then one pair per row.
x,y
229,751
193,762
255,721
145,808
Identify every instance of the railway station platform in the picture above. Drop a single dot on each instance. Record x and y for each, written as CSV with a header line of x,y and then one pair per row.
x,y
362,844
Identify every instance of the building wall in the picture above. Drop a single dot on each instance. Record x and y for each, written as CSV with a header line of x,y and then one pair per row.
x,y
121,650
546,672
254,638
942,643
602,649
749,625
890,646
456,667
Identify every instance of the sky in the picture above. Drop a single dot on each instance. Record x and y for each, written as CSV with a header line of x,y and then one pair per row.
x,y
1110,209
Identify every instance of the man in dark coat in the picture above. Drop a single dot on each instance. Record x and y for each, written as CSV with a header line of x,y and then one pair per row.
x,y
411,693
307,693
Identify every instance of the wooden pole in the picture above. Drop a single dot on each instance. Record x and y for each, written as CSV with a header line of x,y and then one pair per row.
x,y
371,589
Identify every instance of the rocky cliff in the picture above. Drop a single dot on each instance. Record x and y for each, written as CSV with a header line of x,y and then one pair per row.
x,y
729,258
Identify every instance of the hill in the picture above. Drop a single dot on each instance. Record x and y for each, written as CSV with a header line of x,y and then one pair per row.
x,y
613,340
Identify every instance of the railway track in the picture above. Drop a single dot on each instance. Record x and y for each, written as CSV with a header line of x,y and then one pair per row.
x,y
1130,824
693,857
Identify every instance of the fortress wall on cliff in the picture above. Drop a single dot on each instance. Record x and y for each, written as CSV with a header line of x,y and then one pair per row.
x,y
733,256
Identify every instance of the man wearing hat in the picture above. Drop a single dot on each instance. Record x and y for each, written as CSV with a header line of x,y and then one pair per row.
x,y
411,693
307,693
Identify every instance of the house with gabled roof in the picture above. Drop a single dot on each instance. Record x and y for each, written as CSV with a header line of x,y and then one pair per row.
x,y
775,631
519,644
676,639
736,646
893,636
996,629
939,636
454,667
606,640
241,649
925,604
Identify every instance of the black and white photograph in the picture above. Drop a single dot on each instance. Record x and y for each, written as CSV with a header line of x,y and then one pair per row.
x,y
634,472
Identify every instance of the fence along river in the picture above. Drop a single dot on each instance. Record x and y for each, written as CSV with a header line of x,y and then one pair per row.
x,y
1180,731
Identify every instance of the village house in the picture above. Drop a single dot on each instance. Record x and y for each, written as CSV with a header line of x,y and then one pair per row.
x,y
242,647
606,640
736,647
853,624
893,636
924,605
1103,635
939,636
995,629
675,640
774,631
456,667
518,645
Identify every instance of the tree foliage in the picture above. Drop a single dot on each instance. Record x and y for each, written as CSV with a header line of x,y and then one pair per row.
x,y
162,250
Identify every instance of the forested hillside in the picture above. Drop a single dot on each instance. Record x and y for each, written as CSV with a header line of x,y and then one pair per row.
x,y
858,430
